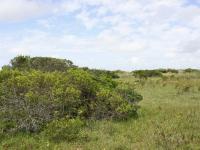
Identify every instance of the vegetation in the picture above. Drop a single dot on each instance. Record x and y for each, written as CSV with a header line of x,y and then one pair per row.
x,y
40,63
35,96
107,73
86,110
168,70
147,73
144,74
189,70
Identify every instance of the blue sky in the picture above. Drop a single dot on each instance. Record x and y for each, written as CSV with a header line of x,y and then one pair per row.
x,y
106,34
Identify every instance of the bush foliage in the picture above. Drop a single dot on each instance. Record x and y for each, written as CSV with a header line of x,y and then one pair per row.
x,y
168,70
40,63
152,73
107,73
190,70
147,73
32,96
64,130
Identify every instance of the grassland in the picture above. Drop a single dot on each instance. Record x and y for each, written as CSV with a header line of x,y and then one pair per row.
x,y
169,118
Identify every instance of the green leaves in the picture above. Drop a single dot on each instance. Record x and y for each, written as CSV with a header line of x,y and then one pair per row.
x,y
64,130
128,93
32,98
46,64
147,73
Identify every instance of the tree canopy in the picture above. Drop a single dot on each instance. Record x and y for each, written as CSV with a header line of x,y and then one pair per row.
x,y
41,63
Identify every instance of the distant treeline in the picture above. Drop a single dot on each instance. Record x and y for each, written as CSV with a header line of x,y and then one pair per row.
x,y
159,72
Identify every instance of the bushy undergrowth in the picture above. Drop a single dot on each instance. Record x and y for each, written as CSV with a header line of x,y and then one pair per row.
x,y
64,130
31,99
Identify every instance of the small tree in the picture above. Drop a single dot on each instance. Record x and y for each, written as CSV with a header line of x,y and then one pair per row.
x,y
47,64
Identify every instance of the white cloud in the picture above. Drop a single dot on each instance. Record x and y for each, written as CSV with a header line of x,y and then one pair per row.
x,y
191,46
157,33
13,10
86,20
70,6
46,23
135,60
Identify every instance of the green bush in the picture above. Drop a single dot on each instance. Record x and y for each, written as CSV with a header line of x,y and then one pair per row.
x,y
98,72
147,73
119,103
189,70
41,63
32,98
168,70
128,92
152,73
64,130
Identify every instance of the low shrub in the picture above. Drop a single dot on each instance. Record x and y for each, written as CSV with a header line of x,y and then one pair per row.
x,y
189,70
168,70
64,130
119,104
107,73
30,99
147,73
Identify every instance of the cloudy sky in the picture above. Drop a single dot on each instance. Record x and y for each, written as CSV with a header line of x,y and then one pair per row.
x,y
109,34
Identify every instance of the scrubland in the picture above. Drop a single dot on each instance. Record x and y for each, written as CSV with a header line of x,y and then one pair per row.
x,y
168,118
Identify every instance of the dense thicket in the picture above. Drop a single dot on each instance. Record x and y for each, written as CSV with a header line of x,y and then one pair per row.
x,y
38,92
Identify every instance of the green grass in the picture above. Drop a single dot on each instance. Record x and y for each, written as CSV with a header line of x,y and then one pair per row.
x,y
169,118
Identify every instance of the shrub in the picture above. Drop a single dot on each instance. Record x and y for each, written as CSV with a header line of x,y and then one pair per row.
x,y
98,72
168,70
32,98
41,63
119,103
128,92
64,130
189,70
147,73
152,73
27,98
198,88
107,105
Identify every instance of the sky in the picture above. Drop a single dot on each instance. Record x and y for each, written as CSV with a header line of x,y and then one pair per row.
x,y
103,34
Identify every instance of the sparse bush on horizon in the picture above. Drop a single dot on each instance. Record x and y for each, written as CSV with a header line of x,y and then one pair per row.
x,y
168,70
98,72
146,73
189,70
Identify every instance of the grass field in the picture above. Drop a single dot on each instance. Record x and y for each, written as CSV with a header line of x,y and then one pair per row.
x,y
169,118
